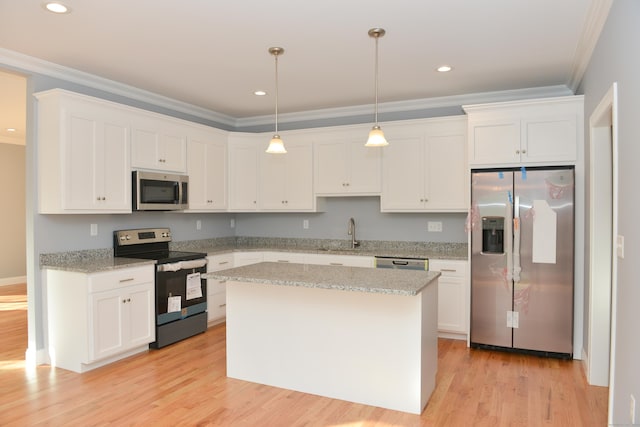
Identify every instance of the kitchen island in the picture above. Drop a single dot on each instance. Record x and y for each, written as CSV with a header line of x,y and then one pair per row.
x,y
358,334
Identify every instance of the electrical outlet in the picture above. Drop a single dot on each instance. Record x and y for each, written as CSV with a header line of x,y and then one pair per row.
x,y
305,224
632,409
198,225
434,226
233,223
93,230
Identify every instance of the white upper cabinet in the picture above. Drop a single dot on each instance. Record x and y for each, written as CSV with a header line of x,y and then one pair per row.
x,y
530,133
83,158
425,167
158,144
207,169
244,163
343,166
286,180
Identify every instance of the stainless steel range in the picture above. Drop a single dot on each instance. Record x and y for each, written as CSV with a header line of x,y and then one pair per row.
x,y
181,293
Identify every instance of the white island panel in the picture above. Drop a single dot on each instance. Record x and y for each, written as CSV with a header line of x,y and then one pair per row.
x,y
370,348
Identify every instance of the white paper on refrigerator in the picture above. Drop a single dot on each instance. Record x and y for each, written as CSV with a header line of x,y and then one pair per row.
x,y
194,286
544,233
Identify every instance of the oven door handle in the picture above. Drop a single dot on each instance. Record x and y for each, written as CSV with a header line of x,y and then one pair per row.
x,y
182,265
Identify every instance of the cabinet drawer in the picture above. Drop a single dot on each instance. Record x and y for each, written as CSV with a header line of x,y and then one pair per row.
x,y
449,268
216,286
121,278
219,262
217,306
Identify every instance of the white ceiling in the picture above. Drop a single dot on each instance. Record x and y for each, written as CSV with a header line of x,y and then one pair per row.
x,y
213,54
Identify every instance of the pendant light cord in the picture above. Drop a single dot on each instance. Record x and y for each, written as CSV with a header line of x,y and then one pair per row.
x,y
276,56
376,82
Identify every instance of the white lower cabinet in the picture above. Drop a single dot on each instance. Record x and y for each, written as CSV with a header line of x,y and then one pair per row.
x,y
217,289
452,297
98,318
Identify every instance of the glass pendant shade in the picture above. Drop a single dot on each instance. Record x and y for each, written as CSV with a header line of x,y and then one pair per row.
x,y
276,146
376,138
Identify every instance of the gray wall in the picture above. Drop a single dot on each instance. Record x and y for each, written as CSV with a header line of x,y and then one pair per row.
x,y
371,224
13,260
615,59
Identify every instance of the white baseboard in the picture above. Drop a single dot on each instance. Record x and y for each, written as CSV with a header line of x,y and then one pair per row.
x,y
13,280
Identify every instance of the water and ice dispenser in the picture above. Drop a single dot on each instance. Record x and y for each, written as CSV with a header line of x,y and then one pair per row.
x,y
492,234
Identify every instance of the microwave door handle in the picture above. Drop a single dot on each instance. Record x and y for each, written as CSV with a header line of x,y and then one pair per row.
x,y
179,183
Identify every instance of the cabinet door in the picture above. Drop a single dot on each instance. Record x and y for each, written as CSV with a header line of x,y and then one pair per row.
x,y
108,327
446,173
494,142
97,175
115,170
243,175
273,180
139,314
122,319
452,295
144,148
207,168
155,148
172,152
330,159
549,139
299,177
404,177
364,169
286,181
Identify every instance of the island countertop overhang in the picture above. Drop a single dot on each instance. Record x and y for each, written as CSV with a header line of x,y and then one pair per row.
x,y
354,279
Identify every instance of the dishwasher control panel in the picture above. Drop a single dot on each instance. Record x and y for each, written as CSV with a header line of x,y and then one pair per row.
x,y
402,263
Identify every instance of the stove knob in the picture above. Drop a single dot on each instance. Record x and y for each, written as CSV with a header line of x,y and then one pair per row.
x,y
128,237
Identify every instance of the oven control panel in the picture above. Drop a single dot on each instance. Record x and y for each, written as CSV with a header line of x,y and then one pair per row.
x,y
143,235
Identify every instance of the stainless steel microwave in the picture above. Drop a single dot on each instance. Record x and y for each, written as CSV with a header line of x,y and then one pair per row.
x,y
157,191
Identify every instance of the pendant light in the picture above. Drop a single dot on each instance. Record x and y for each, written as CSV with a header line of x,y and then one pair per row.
x,y
376,136
276,146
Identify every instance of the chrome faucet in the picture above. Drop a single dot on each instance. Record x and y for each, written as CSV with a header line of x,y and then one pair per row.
x,y
352,232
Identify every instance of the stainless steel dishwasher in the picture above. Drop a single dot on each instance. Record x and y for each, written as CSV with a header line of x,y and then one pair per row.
x,y
402,263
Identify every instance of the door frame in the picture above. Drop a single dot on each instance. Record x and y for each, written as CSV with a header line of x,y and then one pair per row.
x,y
603,207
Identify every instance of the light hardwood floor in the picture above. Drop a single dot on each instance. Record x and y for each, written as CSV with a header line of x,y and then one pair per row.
x,y
185,384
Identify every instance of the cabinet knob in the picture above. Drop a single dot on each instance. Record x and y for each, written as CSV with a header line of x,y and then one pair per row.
x,y
517,151
524,151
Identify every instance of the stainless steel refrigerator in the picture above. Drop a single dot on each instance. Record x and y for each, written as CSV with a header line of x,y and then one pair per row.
x,y
522,234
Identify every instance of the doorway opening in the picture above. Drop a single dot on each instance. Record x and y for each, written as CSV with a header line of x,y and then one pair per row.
x,y
603,230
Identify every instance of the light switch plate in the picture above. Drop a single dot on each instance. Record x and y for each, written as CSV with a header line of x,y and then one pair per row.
x,y
198,225
620,246
434,226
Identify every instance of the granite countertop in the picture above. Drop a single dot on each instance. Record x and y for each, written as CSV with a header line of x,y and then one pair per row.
x,y
358,279
96,265
97,260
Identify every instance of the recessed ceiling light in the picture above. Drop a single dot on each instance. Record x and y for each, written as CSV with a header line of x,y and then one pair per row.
x,y
260,93
56,7
11,129
444,69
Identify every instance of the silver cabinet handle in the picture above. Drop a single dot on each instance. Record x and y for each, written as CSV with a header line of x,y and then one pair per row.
x,y
336,263
126,280
448,270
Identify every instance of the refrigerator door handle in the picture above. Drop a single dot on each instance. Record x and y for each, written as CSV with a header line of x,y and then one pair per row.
x,y
508,238
516,241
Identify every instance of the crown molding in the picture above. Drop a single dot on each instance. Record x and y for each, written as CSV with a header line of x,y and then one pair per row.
x,y
40,66
594,23
410,105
